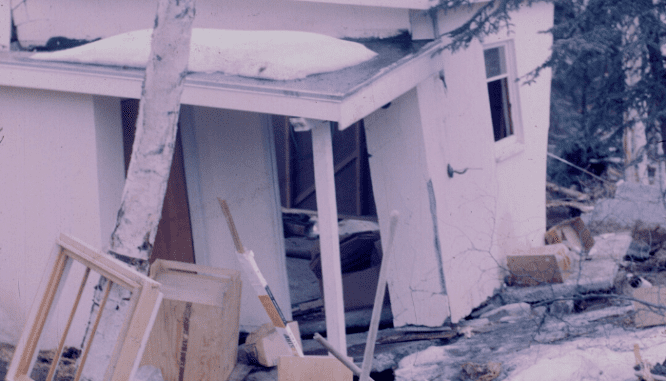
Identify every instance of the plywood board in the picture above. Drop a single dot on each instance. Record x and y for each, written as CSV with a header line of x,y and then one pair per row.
x,y
647,316
266,345
195,335
312,368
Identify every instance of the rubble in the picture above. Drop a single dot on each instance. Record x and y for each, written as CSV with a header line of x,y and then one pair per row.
x,y
632,202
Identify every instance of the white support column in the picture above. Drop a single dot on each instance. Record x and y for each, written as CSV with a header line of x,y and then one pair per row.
x,y
322,148
5,24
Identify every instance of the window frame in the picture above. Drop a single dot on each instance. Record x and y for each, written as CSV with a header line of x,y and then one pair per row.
x,y
513,143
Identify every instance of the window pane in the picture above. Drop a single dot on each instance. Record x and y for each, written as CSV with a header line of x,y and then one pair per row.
x,y
500,108
495,61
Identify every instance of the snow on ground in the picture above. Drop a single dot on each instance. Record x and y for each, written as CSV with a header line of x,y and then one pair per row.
x,y
278,55
594,346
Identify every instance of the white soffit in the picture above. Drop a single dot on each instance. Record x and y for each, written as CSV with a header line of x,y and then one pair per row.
x,y
409,4
344,96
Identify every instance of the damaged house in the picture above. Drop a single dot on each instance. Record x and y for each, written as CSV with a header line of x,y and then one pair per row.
x,y
455,144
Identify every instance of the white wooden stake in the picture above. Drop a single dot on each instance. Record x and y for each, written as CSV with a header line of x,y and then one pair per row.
x,y
5,24
322,148
369,353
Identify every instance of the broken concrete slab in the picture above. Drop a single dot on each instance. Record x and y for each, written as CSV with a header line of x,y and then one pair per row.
x,y
632,202
611,245
591,276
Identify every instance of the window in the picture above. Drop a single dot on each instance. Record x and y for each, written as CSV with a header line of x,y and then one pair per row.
x,y
500,89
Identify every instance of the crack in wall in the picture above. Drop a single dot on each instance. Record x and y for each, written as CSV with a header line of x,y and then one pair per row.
x,y
438,249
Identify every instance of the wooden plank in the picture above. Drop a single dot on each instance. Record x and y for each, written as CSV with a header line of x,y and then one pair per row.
x,y
342,358
322,148
112,268
320,368
212,326
61,345
138,332
569,192
26,350
118,346
91,336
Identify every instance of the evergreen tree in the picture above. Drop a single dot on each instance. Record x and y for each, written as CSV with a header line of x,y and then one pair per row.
x,y
608,62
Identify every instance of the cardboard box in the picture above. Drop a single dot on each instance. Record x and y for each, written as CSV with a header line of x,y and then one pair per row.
x,y
266,345
536,266
195,336
312,368
572,231
647,316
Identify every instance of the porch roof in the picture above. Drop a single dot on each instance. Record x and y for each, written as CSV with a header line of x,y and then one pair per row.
x,y
344,96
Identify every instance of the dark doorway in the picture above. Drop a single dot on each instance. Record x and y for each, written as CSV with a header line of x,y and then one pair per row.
x,y
174,233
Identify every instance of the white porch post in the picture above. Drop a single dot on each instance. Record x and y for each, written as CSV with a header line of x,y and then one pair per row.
x,y
322,148
5,24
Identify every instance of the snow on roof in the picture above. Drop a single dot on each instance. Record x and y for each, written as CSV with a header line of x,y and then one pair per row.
x,y
278,55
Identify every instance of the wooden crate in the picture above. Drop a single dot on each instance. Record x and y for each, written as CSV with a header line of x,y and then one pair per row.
x,y
195,336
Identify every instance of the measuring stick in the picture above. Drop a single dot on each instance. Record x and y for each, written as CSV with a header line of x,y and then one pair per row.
x,y
246,258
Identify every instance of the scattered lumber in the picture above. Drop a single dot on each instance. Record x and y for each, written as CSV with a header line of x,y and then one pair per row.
x,y
580,196
573,232
571,204
406,336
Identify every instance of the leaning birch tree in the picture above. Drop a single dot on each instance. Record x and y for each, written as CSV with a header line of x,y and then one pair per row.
x,y
143,195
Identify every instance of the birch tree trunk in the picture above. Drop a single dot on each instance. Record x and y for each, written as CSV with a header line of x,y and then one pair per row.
x,y
143,195
635,136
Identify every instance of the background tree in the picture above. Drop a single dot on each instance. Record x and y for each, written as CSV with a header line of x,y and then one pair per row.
x,y
608,89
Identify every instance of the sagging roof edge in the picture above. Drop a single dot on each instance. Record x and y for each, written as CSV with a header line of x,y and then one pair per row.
x,y
345,107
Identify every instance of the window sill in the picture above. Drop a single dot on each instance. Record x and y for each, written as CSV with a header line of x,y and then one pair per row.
x,y
507,148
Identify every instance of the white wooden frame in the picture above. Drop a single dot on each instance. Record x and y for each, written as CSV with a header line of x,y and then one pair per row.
x,y
144,303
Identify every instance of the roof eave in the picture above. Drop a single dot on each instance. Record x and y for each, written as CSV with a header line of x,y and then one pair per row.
x,y
346,108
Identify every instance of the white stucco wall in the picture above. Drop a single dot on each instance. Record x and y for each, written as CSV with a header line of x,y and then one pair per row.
x,y
38,20
401,181
497,204
235,156
50,184
522,178
500,205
